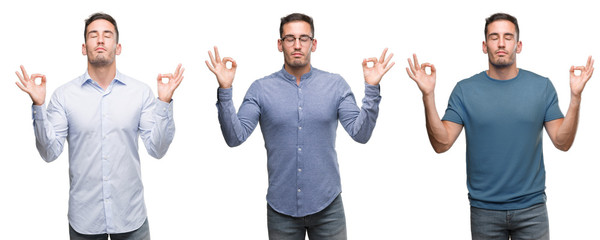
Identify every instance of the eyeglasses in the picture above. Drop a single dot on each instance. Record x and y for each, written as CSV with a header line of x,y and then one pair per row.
x,y
289,40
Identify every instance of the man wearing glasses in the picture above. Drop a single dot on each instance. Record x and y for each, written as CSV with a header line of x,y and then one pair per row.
x,y
101,114
298,108
503,111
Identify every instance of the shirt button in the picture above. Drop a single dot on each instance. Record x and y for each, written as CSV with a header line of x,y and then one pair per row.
x,y
34,112
299,108
298,189
299,149
299,169
299,128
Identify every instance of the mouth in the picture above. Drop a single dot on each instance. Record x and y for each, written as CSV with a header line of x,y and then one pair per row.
x,y
100,49
297,54
501,53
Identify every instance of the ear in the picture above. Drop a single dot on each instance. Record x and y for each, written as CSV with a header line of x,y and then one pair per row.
x,y
314,45
279,45
519,46
83,49
484,47
118,50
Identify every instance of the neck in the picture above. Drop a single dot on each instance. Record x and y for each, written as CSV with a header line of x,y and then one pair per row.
x,y
297,71
503,73
103,75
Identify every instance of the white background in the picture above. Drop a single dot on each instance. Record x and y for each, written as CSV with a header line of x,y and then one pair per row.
x,y
394,187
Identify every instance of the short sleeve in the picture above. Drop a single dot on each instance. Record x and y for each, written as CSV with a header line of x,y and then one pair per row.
x,y
455,110
552,109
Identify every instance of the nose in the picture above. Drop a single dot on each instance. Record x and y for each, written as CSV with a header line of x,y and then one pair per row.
x,y
100,39
297,43
501,42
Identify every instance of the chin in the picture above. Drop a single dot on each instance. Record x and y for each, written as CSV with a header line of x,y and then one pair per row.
x,y
100,62
502,64
297,64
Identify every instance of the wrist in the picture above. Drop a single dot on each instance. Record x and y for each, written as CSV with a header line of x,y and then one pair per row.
x,y
38,103
165,99
372,81
428,95
575,98
224,86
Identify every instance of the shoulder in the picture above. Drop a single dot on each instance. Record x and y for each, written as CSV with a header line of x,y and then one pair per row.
x,y
76,82
266,80
327,75
465,85
533,77
472,80
129,81
69,86
271,77
326,80
529,74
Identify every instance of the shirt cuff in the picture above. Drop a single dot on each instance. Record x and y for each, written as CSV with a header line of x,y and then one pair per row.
x,y
164,109
38,112
224,94
372,91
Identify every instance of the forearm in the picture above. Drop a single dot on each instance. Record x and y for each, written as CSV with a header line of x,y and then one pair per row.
x,y
565,136
229,124
235,131
360,123
436,131
163,130
47,142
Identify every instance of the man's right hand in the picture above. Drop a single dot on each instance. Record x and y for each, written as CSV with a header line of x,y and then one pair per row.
x,y
426,82
219,68
36,92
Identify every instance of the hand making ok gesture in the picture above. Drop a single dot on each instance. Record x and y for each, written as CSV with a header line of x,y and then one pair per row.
x,y
219,68
578,82
36,92
426,82
374,74
166,90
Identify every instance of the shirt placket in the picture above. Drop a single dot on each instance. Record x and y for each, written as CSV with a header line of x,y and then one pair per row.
x,y
106,159
300,145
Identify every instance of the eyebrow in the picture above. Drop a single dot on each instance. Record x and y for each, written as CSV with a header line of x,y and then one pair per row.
x,y
96,31
498,34
292,35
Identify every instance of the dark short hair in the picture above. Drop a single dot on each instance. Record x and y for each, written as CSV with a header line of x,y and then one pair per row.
x,y
97,16
501,16
296,17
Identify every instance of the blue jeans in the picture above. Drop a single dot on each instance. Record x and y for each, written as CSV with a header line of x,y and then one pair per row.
x,y
142,233
522,224
329,223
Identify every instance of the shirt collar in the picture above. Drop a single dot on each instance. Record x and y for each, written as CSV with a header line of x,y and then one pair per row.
x,y
118,78
286,75
507,80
